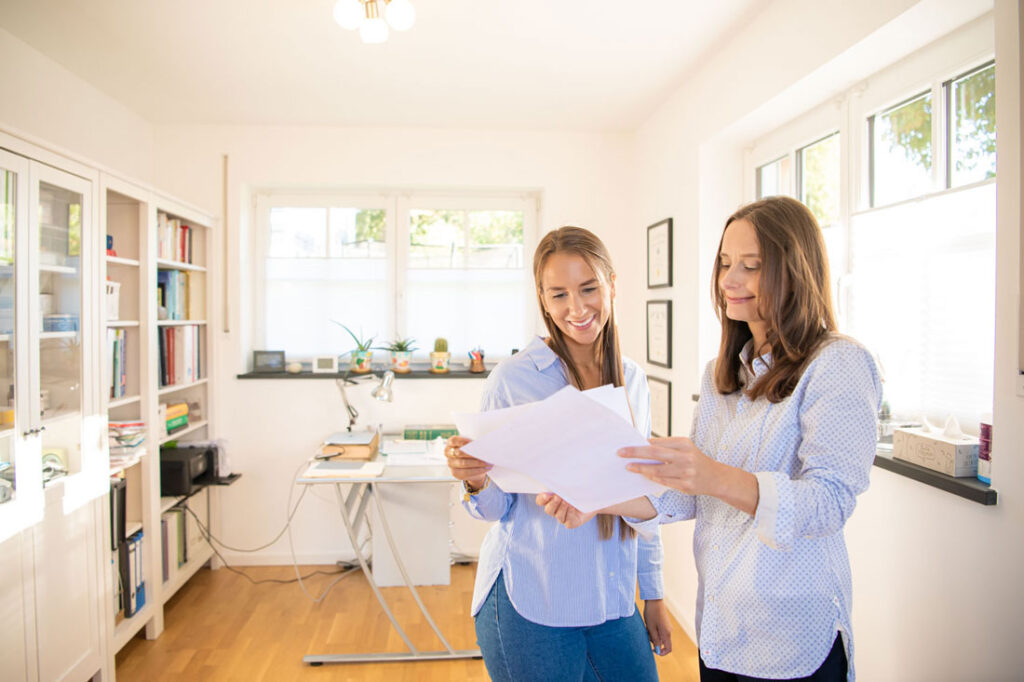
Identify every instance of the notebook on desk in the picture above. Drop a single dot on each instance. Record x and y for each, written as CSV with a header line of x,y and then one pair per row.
x,y
344,469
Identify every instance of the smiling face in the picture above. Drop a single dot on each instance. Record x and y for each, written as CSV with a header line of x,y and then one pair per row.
x,y
578,300
739,276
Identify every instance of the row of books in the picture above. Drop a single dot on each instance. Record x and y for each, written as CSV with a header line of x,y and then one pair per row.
x,y
174,416
173,238
429,431
173,540
116,342
181,357
181,293
130,577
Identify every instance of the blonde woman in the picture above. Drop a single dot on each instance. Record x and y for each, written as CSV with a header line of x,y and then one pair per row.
x,y
550,604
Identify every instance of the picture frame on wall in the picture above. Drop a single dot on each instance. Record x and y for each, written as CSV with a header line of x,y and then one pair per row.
x,y
659,254
661,407
659,333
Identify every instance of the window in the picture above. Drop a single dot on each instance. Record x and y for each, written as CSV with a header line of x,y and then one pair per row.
x,y
393,265
915,279
774,178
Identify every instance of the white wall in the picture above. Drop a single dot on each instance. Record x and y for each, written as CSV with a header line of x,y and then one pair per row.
x,y
936,596
56,109
272,426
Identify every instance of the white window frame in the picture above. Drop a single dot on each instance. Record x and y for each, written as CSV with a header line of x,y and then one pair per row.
x,y
397,204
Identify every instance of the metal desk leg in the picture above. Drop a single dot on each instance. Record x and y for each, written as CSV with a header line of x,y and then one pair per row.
x,y
351,525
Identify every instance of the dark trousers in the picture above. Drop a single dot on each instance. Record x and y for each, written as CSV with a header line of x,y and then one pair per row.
x,y
832,670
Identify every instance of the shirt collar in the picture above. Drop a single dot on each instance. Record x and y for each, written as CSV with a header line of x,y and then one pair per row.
x,y
541,354
759,365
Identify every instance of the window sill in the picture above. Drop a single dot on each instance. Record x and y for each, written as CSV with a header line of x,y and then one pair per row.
x,y
415,374
968,488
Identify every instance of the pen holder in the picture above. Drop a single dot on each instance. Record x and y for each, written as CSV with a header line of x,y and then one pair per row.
x,y
476,365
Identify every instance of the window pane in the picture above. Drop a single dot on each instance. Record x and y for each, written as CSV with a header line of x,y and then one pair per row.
x,y
973,145
322,265
357,233
496,239
774,178
819,179
923,298
901,146
297,232
437,238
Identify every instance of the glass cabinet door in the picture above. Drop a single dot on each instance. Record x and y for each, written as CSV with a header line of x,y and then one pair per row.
x,y
62,291
21,502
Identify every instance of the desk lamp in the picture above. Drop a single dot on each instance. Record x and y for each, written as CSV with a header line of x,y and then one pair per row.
x,y
382,391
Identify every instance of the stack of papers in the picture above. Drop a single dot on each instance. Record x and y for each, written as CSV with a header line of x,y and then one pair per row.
x,y
414,452
344,469
566,444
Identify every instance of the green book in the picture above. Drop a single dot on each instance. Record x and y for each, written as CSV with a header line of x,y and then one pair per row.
x,y
177,423
429,431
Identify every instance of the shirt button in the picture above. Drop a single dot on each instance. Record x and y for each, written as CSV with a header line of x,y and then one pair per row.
x,y
711,599
612,574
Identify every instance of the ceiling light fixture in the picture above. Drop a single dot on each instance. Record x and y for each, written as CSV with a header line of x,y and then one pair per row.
x,y
365,16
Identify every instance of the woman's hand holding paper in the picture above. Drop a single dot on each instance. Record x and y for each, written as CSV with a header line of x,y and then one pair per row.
x,y
566,514
463,467
681,465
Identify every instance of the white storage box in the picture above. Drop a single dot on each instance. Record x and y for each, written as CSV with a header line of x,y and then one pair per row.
x,y
113,300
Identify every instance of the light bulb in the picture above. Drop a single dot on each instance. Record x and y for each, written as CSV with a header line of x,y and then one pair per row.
x,y
400,14
374,30
349,14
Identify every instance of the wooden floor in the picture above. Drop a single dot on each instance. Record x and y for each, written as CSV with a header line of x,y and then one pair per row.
x,y
221,627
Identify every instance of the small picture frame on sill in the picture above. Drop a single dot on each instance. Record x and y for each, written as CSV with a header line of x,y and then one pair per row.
x,y
659,333
659,254
267,361
325,364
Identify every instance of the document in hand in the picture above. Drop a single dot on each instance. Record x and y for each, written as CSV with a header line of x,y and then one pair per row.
x,y
565,444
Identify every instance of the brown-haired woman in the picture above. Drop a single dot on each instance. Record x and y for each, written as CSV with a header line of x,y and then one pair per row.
x,y
782,443
549,604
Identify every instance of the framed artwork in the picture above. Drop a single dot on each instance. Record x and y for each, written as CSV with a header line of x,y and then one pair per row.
x,y
659,254
659,333
268,361
661,407
325,364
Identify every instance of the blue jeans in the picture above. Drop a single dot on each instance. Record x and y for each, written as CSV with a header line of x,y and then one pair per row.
x,y
519,650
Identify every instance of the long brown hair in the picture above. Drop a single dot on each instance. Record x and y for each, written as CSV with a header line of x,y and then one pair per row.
x,y
591,249
795,298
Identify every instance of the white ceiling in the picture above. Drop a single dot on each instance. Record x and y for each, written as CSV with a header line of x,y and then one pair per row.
x,y
486,64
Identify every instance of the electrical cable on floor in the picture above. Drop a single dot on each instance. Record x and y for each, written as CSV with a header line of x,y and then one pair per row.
x,y
345,568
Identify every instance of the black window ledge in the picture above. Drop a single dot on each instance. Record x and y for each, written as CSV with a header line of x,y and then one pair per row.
x,y
968,488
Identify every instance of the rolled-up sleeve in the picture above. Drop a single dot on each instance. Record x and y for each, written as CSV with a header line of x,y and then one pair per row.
x,y
490,504
838,427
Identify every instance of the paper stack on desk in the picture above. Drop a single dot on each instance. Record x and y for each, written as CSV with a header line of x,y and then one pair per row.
x,y
344,469
565,444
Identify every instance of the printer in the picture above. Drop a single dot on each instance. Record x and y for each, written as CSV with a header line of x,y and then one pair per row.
x,y
185,469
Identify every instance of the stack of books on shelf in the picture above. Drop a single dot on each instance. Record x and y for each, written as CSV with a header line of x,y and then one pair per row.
x,y
181,294
117,354
180,535
174,239
126,440
131,583
429,431
174,416
181,355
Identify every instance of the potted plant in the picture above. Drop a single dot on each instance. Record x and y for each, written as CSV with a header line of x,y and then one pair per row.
x,y
362,354
401,354
440,357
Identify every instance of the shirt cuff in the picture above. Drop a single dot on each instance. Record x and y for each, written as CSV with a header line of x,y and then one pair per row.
x,y
766,517
651,586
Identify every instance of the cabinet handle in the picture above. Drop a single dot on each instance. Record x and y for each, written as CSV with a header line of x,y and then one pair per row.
x,y
28,433
40,429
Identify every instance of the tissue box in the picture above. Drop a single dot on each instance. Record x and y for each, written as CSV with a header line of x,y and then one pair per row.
x,y
952,455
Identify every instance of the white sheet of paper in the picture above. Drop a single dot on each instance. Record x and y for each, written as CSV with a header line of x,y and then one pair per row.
x,y
476,424
569,447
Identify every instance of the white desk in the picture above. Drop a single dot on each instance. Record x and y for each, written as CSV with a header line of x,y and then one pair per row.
x,y
353,506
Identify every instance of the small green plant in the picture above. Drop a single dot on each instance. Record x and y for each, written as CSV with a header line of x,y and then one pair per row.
x,y
401,345
362,345
440,345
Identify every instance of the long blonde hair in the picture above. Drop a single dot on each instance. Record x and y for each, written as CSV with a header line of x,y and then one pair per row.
x,y
591,249
794,292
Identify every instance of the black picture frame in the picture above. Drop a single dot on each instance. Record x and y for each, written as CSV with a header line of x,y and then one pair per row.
x,y
659,254
659,333
661,407
266,361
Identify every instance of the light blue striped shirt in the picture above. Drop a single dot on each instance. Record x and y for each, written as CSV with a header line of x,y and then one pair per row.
x,y
555,576
775,588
